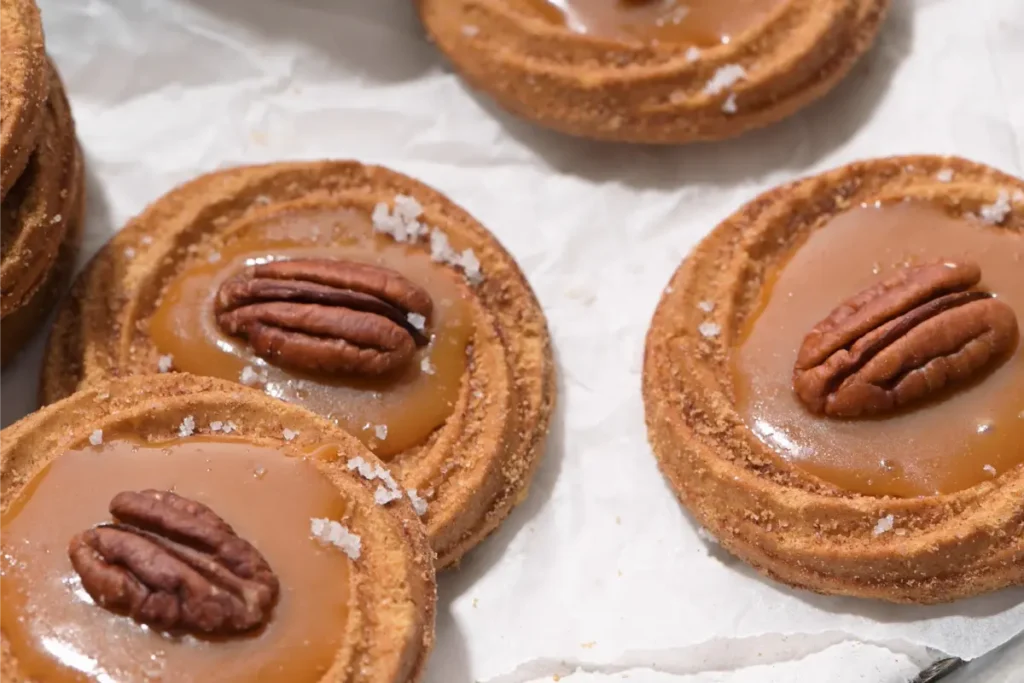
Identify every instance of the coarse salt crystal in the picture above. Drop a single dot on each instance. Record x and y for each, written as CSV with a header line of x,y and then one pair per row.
x,y
56,219
164,363
289,434
470,265
709,330
229,427
381,431
996,212
945,175
418,321
329,532
729,106
706,536
407,207
96,438
187,426
249,376
384,495
364,468
1018,196
692,54
146,239
418,504
129,252
883,525
440,249
261,199
216,426
470,31
991,470
706,306
213,257
724,77
426,367
985,427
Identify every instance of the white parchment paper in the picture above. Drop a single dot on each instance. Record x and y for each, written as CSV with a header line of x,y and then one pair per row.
x,y
600,570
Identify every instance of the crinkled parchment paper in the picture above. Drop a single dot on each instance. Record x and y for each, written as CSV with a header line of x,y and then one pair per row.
x,y
600,569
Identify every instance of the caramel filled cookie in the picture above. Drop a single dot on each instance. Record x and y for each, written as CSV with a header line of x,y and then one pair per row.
x,y
350,290
834,381
653,71
187,528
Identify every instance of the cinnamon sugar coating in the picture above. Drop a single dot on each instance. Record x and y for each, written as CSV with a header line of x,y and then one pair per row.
x,y
785,522
391,620
477,466
24,87
652,93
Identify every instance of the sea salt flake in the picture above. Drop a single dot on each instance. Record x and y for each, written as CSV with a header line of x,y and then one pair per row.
x,y
706,306
129,252
289,434
384,495
470,265
329,532
945,175
724,77
440,249
989,469
187,426
146,240
709,330
426,367
996,212
164,363
381,432
229,427
985,427
249,376
692,54
706,536
883,525
418,321
729,106
470,31
56,219
216,426
418,504
96,438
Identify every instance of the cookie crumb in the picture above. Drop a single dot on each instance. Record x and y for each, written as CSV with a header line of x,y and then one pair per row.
x,y
709,330
96,438
288,434
883,525
725,77
165,363
996,212
945,175
329,532
187,426
418,504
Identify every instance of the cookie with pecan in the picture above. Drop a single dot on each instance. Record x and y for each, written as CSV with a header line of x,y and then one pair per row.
x,y
653,71
834,381
188,527
352,290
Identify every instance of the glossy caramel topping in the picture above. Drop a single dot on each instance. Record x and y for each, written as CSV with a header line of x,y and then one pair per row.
x,y
967,435
389,414
702,23
60,636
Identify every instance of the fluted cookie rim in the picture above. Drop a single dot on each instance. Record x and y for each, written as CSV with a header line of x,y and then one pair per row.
x,y
633,92
506,415
25,61
393,543
783,521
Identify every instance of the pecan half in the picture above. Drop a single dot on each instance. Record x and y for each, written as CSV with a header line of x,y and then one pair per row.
x,y
903,340
172,563
323,315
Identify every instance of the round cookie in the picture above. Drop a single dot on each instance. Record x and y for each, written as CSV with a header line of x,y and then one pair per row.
x,y
220,445
474,462
754,484
631,90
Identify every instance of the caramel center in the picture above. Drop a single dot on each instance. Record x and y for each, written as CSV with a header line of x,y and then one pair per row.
x,y
701,23
390,413
964,436
59,635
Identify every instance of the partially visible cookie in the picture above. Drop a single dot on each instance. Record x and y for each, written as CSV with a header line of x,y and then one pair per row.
x,y
24,84
632,89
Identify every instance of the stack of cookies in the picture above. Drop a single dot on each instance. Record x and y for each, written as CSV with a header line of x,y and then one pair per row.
x,y
41,179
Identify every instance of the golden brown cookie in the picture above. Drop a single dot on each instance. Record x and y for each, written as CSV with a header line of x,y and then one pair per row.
x,y
350,289
324,583
630,86
830,404
41,227
24,86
